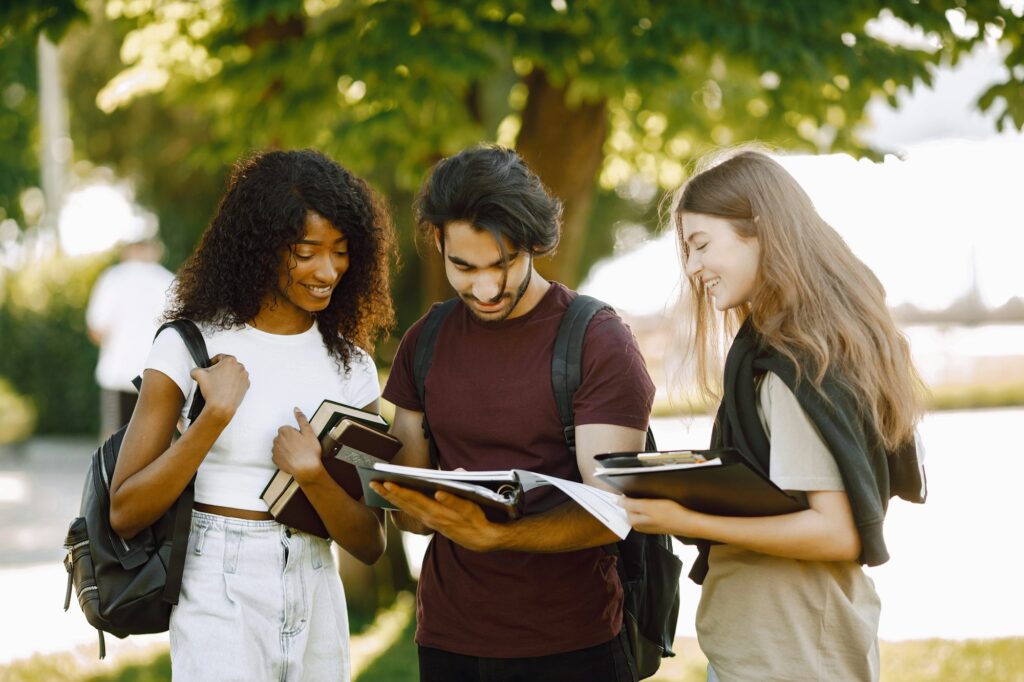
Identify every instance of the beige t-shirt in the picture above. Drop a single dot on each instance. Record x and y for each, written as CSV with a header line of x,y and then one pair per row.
x,y
768,618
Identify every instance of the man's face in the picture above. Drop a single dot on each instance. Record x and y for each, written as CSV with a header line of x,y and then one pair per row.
x,y
474,266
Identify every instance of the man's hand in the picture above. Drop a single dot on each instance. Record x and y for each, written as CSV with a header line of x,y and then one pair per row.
x,y
297,451
461,521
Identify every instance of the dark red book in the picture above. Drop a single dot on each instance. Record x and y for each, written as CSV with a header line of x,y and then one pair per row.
x,y
345,446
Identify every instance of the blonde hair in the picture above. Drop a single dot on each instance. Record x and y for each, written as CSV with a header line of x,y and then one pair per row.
x,y
814,301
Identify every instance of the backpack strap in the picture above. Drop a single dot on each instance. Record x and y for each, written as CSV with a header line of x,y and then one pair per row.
x,y
423,358
196,346
567,360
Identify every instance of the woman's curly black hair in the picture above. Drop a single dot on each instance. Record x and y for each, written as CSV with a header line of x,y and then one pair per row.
x,y
262,214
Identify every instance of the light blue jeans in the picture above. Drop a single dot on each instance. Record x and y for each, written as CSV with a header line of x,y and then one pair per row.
x,y
259,601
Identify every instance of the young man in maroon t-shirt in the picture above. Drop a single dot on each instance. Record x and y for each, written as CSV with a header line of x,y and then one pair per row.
x,y
538,598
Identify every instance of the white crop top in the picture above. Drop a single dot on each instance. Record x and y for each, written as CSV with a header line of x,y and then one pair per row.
x,y
285,372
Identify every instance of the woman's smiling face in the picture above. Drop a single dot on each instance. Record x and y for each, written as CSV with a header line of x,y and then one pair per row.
x,y
311,268
726,263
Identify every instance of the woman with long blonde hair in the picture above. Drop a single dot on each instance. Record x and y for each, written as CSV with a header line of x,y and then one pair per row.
x,y
819,394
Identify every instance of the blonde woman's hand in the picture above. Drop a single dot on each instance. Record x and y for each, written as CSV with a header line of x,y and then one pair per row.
x,y
297,451
657,516
223,384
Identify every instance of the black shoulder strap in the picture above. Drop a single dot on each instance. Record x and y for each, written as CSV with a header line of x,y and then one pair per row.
x,y
567,363
567,360
196,346
422,359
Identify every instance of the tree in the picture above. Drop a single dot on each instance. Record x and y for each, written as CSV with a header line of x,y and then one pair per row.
x,y
603,98
20,27
594,93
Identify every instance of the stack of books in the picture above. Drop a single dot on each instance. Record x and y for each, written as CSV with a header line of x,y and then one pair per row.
x,y
349,437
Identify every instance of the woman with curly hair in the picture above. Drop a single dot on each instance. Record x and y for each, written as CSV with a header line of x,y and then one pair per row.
x,y
290,287
820,395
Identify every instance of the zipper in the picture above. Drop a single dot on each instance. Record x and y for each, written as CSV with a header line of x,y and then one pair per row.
x,y
106,484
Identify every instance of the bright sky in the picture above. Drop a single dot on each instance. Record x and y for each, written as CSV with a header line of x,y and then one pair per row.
x,y
920,220
97,216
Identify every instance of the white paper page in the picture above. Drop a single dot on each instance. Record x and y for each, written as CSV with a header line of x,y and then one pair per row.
x,y
601,504
439,475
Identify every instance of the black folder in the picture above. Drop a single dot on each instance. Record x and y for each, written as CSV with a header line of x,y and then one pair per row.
x,y
725,485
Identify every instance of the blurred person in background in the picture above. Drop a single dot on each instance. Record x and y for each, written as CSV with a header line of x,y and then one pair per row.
x,y
123,314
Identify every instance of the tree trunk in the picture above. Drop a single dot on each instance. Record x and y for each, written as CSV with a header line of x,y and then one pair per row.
x,y
565,147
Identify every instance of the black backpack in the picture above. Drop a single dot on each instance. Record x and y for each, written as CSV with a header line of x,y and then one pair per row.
x,y
648,569
127,587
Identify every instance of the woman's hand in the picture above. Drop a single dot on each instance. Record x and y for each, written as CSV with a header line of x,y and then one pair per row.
x,y
658,516
223,384
297,451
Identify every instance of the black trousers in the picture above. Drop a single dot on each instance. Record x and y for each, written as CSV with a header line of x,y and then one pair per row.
x,y
116,409
602,663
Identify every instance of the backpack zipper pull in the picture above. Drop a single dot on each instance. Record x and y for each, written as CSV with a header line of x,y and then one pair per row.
x,y
70,566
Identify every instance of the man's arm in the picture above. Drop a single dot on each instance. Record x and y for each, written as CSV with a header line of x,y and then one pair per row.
x,y
565,528
407,426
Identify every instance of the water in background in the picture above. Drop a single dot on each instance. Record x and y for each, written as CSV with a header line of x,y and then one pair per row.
x,y
957,559
962,355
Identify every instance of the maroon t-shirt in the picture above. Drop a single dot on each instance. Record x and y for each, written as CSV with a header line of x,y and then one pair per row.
x,y
491,406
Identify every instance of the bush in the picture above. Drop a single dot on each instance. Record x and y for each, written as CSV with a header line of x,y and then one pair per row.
x,y
17,415
47,356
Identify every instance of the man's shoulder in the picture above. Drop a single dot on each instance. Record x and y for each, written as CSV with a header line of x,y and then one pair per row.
x,y
413,332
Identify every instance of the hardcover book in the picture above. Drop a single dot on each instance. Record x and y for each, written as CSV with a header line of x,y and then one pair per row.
x,y
348,444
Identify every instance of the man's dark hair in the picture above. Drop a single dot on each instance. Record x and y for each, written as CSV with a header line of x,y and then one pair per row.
x,y
491,188
261,215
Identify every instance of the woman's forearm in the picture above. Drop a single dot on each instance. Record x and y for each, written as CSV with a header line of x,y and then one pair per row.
x,y
358,529
140,499
824,532
805,535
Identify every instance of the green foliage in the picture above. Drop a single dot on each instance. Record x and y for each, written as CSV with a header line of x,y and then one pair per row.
x,y
938,660
21,22
172,93
19,163
30,18
17,415
400,663
47,355
389,87
976,396
931,660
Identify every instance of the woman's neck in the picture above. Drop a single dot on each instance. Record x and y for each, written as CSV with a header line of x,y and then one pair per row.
x,y
279,322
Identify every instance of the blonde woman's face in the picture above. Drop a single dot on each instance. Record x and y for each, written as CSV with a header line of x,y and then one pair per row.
x,y
724,261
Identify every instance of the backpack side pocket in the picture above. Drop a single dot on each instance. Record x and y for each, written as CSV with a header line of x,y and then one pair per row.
x,y
81,574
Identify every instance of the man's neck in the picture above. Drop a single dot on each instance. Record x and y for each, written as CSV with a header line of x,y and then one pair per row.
x,y
534,295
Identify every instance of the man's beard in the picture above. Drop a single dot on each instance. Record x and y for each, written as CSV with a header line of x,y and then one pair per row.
x,y
520,292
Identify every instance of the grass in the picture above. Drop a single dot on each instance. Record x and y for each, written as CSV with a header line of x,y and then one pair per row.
x,y
932,660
